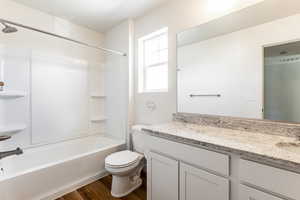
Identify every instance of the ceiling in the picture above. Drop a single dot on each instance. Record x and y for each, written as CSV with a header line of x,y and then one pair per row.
x,y
99,15
259,12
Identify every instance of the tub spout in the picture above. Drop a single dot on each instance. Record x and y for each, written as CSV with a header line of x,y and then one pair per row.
x,y
4,137
4,154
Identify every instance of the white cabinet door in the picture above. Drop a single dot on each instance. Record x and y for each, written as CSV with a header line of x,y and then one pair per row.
x,y
162,177
196,184
247,193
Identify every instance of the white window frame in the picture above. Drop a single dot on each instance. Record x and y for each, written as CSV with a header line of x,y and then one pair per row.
x,y
142,68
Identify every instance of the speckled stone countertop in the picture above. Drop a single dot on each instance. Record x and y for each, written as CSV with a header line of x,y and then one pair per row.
x,y
254,146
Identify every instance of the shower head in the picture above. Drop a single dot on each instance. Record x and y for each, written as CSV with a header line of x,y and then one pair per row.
x,y
8,29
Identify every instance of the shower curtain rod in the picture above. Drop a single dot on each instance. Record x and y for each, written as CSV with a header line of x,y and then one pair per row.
x,y
61,37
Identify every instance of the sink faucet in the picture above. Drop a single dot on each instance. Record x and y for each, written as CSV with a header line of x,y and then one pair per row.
x,y
4,154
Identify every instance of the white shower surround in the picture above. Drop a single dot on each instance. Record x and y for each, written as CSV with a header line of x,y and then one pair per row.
x,y
50,171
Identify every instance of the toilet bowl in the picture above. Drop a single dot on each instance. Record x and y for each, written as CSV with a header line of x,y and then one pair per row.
x,y
125,168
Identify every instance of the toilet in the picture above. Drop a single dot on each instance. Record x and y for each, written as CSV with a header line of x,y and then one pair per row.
x,y
125,168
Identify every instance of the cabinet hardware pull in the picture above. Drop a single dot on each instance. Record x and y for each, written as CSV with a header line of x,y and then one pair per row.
x,y
205,95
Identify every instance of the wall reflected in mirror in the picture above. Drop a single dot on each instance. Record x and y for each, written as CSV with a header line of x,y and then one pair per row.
x,y
242,65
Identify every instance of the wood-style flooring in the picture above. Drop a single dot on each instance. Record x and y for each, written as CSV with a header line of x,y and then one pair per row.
x,y
100,190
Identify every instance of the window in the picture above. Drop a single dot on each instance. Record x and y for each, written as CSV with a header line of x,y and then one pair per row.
x,y
153,62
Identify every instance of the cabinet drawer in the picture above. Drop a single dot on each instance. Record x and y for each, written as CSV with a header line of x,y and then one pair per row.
x,y
247,193
275,180
197,184
201,158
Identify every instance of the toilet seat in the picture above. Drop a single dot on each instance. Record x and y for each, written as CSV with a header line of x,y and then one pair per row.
x,y
122,159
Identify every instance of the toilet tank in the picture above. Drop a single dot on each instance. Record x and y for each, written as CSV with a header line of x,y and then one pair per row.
x,y
137,139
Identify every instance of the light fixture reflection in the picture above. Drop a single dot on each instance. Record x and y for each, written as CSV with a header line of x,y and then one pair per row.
x,y
220,5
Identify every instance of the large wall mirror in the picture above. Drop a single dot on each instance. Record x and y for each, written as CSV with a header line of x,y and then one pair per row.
x,y
246,64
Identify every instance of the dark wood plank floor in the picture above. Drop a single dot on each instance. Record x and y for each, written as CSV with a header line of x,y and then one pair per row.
x,y
100,190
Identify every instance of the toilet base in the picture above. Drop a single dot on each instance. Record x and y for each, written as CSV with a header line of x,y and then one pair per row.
x,y
126,178
122,186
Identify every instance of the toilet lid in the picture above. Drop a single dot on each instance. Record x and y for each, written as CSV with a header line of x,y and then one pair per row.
x,y
122,159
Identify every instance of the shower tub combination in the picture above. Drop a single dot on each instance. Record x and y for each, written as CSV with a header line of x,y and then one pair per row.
x,y
48,172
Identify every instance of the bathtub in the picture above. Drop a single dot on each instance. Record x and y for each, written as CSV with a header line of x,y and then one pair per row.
x,y
48,172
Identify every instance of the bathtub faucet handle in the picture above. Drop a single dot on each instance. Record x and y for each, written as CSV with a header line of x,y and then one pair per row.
x,y
4,154
19,151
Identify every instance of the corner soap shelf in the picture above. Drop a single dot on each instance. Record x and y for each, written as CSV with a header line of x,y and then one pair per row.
x,y
11,129
11,94
97,96
98,119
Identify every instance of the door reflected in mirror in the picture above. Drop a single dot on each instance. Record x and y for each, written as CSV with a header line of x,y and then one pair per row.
x,y
281,82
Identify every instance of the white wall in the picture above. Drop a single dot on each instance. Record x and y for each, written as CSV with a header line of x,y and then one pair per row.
x,y
177,15
25,41
117,82
229,65
232,65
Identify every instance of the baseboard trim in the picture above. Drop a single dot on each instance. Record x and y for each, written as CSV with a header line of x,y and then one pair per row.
x,y
74,186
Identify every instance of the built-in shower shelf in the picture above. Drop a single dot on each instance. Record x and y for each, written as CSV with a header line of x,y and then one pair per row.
x,y
12,94
98,96
98,119
12,129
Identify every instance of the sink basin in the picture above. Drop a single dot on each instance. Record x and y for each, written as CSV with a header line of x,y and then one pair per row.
x,y
290,146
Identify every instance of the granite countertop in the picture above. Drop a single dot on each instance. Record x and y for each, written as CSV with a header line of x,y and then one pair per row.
x,y
259,147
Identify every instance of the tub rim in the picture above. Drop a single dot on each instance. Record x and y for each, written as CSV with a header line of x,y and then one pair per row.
x,y
117,143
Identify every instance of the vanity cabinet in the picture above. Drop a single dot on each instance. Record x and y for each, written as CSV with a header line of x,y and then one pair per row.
x,y
274,180
179,171
168,178
162,177
197,184
247,193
